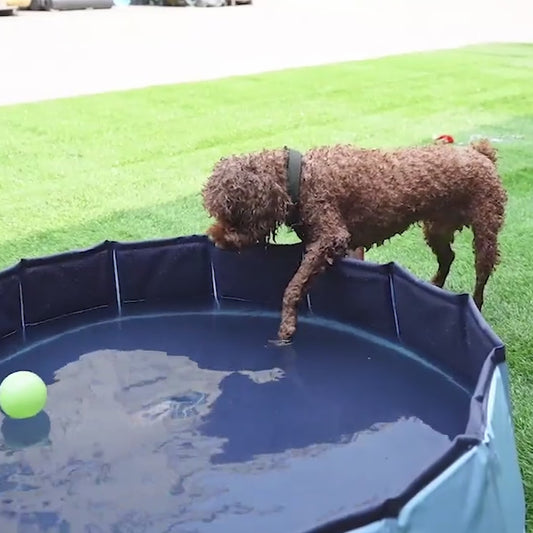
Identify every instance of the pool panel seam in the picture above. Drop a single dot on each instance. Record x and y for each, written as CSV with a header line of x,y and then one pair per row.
x,y
393,304
116,279
214,281
22,313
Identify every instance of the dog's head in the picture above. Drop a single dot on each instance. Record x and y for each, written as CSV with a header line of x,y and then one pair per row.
x,y
248,198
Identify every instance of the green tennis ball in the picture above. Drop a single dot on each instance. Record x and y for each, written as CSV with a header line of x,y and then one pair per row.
x,y
22,394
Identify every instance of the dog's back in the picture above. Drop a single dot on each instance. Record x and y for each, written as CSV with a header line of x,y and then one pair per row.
x,y
388,190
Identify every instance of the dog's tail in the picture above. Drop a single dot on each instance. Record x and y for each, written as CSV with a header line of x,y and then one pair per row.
x,y
484,147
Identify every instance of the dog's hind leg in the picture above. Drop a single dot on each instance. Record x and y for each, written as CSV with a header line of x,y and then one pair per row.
x,y
486,253
439,238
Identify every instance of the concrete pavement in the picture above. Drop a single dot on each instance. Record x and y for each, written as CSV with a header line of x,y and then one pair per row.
x,y
58,54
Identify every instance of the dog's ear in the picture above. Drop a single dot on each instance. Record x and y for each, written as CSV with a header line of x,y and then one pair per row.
x,y
247,195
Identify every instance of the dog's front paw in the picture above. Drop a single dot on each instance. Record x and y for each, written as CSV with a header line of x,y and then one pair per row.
x,y
280,342
285,332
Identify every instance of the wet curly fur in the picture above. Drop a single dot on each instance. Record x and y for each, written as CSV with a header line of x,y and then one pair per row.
x,y
353,198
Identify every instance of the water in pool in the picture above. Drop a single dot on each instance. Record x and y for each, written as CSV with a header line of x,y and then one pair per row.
x,y
190,423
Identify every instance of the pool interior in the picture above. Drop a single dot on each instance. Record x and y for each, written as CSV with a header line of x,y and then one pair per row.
x,y
191,422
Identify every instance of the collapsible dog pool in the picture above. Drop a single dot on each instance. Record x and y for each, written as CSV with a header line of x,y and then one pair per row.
x,y
169,412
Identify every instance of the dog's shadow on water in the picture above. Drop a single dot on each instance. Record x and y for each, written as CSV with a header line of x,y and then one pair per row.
x,y
324,389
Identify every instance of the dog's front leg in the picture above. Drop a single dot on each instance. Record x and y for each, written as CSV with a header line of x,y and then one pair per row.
x,y
317,256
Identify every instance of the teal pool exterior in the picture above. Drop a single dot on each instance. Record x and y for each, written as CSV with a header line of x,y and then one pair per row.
x,y
481,492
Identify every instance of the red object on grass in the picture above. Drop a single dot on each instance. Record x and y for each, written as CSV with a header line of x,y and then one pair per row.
x,y
444,139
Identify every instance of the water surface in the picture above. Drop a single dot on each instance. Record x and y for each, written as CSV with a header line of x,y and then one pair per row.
x,y
189,423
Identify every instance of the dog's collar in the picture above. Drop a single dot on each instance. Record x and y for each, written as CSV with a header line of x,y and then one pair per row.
x,y
294,172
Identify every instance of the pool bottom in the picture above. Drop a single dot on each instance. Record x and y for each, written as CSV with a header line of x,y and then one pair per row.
x,y
189,423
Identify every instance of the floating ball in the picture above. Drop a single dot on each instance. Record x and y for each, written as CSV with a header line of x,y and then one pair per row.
x,y
22,394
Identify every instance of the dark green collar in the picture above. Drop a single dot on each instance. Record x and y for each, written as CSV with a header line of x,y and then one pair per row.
x,y
294,173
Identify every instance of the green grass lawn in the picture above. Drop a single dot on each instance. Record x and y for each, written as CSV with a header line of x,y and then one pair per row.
x,y
130,165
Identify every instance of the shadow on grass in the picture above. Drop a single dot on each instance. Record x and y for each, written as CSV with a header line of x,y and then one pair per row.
x,y
182,216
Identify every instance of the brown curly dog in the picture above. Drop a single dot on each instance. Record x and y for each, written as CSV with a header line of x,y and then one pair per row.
x,y
346,198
